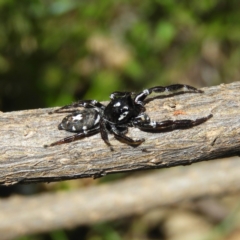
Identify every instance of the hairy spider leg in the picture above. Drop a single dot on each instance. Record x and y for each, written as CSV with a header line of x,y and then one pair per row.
x,y
170,125
81,103
171,89
141,118
80,135
123,138
104,134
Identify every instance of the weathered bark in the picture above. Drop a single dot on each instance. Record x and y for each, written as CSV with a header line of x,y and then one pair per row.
x,y
23,134
20,215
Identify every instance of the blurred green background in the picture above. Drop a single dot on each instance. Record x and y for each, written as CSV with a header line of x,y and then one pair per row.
x,y
56,52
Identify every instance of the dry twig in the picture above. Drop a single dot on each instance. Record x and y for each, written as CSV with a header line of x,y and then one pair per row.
x,y
23,134
45,212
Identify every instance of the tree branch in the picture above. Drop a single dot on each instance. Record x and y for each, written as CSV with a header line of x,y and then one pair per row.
x,y
23,134
20,215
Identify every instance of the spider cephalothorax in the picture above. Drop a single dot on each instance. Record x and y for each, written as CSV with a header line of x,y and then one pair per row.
x,y
125,109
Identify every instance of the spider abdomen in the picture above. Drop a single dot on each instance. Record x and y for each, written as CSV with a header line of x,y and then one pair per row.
x,y
80,121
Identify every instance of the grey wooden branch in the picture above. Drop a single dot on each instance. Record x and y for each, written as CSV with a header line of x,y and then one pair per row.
x,y
21,215
23,134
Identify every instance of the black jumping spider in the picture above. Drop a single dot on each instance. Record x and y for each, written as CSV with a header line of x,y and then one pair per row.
x,y
125,109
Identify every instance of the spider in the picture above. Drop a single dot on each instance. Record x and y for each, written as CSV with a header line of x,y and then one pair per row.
x,y
125,109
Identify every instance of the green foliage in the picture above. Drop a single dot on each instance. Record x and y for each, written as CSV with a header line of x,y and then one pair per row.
x,y
47,54
55,52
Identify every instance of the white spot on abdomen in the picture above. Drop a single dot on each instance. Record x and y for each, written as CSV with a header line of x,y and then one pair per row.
x,y
97,120
77,117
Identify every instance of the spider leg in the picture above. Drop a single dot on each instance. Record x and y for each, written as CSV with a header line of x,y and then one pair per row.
x,y
140,119
81,103
170,125
171,89
80,135
104,134
123,138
